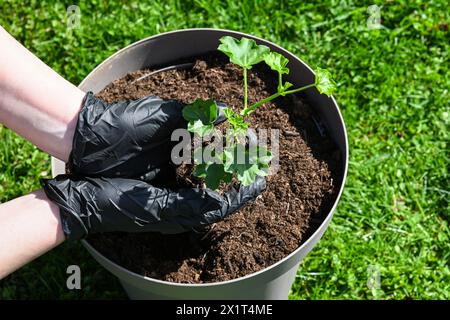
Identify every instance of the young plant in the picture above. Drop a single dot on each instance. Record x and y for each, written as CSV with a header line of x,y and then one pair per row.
x,y
244,53
238,157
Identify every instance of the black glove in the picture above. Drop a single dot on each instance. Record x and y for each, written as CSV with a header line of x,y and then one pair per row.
x,y
128,139
92,205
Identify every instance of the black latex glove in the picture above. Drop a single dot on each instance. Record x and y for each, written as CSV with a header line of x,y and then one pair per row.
x,y
92,205
128,139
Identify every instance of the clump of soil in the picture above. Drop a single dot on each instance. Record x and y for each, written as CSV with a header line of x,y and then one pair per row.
x,y
295,202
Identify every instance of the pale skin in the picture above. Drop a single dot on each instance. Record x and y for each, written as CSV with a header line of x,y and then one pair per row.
x,y
42,107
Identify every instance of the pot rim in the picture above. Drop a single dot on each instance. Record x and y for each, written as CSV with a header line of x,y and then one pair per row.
x,y
289,256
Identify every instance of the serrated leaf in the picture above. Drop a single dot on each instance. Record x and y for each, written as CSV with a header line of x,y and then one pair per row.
x,y
324,82
245,165
238,122
237,157
213,172
244,52
285,86
199,128
248,176
228,113
277,62
203,110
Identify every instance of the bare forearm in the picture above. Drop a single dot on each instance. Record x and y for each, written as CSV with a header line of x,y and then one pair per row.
x,y
29,226
35,101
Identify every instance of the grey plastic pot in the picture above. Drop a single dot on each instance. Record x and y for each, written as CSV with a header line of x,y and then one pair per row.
x,y
273,282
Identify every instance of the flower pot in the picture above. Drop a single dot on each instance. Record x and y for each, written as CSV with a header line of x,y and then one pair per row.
x,y
273,282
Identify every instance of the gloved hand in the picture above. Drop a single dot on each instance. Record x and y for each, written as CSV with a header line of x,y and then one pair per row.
x,y
128,139
92,205
117,149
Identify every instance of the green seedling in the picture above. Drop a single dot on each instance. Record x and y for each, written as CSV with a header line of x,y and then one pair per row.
x,y
237,158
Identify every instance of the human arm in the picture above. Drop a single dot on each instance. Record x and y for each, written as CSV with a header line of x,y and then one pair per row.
x,y
42,107
35,101
29,227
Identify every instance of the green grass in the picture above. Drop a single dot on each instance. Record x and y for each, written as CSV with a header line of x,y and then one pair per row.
x,y
393,92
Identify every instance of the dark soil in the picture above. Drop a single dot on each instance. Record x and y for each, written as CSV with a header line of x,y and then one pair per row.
x,y
296,200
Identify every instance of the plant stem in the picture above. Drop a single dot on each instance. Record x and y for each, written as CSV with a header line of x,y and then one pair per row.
x,y
299,89
279,81
245,90
252,108
256,105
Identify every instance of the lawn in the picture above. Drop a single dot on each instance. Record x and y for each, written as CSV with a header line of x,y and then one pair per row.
x,y
392,223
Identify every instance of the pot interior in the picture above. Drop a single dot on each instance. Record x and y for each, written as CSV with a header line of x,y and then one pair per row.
x,y
171,48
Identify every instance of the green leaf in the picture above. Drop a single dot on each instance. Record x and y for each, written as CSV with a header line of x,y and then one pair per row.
x,y
238,122
264,155
285,86
215,173
277,62
228,113
206,155
204,110
198,155
200,116
227,177
244,52
199,128
200,170
248,176
324,82
245,165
